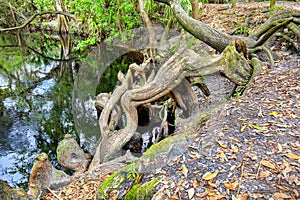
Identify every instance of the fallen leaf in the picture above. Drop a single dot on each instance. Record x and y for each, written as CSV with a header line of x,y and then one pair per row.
x,y
231,186
264,174
191,193
282,187
296,193
267,164
234,148
243,128
184,170
194,183
243,196
208,176
286,168
174,197
255,126
275,114
232,167
282,195
292,156
221,154
222,145
168,193
279,146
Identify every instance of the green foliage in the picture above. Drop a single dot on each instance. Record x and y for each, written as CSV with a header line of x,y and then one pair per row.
x,y
132,172
103,18
145,191
44,5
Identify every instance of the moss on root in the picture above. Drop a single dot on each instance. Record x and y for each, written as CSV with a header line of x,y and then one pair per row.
x,y
145,191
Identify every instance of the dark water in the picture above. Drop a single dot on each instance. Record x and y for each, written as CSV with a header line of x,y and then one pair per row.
x,y
36,83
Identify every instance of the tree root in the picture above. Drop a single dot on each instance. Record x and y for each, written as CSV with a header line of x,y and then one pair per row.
x,y
171,77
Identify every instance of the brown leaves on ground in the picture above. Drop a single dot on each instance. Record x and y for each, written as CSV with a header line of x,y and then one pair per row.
x,y
256,150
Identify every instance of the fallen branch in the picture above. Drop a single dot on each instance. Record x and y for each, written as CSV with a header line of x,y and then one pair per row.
x,y
33,17
52,192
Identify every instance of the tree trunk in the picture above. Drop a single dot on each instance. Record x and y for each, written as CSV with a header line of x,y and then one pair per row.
x,y
195,9
272,4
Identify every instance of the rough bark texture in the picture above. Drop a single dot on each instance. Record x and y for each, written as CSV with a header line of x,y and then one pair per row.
x,y
170,77
234,63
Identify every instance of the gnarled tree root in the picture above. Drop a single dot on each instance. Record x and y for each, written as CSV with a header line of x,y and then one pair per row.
x,y
171,77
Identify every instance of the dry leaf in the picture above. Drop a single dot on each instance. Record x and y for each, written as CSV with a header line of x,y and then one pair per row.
x,y
234,148
282,187
191,193
264,174
279,146
275,114
232,167
184,170
174,197
282,195
168,193
243,128
231,186
221,154
292,156
243,196
222,145
214,196
194,183
208,176
267,164
296,193
286,168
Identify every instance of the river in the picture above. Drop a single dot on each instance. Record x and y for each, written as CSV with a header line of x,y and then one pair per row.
x,y
36,84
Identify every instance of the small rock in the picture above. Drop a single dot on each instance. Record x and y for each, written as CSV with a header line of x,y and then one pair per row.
x,y
71,156
44,175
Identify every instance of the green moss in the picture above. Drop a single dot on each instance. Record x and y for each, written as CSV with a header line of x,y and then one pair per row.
x,y
131,195
111,183
63,146
145,191
42,156
201,119
114,181
162,146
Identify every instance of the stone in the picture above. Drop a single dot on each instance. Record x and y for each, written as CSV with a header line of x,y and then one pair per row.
x,y
162,153
44,175
7,192
71,156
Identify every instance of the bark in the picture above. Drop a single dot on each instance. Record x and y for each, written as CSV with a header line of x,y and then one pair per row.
x,y
150,29
171,77
211,36
195,9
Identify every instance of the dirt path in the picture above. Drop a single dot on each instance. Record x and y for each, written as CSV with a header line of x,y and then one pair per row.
x,y
255,148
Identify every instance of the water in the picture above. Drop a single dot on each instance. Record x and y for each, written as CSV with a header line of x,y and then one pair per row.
x,y
36,103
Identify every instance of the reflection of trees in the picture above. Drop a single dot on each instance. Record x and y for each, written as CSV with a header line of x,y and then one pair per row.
x,y
25,66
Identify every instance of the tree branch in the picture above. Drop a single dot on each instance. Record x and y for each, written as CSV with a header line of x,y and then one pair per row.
x,y
211,36
33,17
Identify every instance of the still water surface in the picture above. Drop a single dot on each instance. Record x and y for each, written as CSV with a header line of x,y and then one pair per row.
x,y
36,102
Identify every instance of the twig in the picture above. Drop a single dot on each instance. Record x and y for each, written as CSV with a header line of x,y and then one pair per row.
x,y
258,169
52,192
33,17
241,178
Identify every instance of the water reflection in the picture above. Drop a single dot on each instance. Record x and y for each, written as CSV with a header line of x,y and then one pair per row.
x,y
36,81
